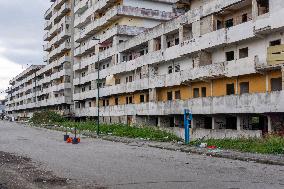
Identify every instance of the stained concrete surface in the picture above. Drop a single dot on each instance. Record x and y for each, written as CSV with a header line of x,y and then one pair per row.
x,y
100,163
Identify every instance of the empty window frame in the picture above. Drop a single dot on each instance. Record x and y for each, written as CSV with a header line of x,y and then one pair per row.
x,y
244,18
203,91
129,100
116,101
176,41
276,84
243,53
169,95
219,24
142,98
230,55
177,68
170,69
229,23
263,6
230,89
244,87
275,42
177,95
196,93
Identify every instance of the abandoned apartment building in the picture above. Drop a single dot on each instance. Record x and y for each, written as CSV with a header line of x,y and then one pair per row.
x,y
151,59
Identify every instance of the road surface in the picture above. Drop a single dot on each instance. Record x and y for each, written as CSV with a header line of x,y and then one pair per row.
x,y
97,163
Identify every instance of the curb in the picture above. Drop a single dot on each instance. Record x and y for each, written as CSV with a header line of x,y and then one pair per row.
x,y
221,155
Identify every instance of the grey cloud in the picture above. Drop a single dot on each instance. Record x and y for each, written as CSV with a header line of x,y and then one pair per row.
x,y
21,23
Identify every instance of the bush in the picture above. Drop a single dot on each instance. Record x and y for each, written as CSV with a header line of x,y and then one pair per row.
x,y
47,117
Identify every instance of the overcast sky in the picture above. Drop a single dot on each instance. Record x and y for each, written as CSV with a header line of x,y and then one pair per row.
x,y
21,36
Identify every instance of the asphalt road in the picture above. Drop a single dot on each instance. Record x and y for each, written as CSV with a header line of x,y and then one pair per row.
x,y
105,164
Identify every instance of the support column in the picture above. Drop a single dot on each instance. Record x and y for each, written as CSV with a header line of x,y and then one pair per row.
x,y
266,82
282,70
239,127
153,95
213,123
163,42
193,122
269,126
254,10
159,121
181,34
151,45
117,58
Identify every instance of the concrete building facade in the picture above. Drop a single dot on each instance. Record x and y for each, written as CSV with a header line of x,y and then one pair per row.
x,y
222,59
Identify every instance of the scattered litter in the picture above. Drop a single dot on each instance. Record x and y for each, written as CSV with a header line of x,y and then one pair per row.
x,y
211,147
203,145
215,150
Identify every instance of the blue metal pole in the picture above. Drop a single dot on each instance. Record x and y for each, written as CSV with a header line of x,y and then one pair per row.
x,y
186,126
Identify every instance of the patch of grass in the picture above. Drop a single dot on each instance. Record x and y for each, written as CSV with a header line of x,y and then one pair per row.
x,y
121,130
270,144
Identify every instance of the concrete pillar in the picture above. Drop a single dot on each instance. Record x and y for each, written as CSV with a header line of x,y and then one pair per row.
x,y
193,122
239,126
269,126
213,123
115,41
151,45
159,121
117,58
266,82
163,42
254,10
153,95
282,70
181,34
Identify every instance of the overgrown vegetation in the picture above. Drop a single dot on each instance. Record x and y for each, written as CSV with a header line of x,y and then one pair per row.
x,y
47,117
271,144
121,130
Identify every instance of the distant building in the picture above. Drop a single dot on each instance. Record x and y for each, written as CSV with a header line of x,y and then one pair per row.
x,y
2,106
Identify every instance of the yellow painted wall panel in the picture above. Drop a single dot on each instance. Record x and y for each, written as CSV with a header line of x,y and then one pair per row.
x,y
257,83
219,86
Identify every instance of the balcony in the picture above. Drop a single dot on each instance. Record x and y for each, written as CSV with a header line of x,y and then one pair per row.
x,y
48,25
81,6
47,47
65,8
54,101
46,37
60,74
247,103
61,86
48,14
127,11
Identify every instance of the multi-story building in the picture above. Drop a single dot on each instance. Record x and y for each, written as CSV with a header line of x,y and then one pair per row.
x,y
150,60
48,86
2,107
55,78
21,99
221,59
